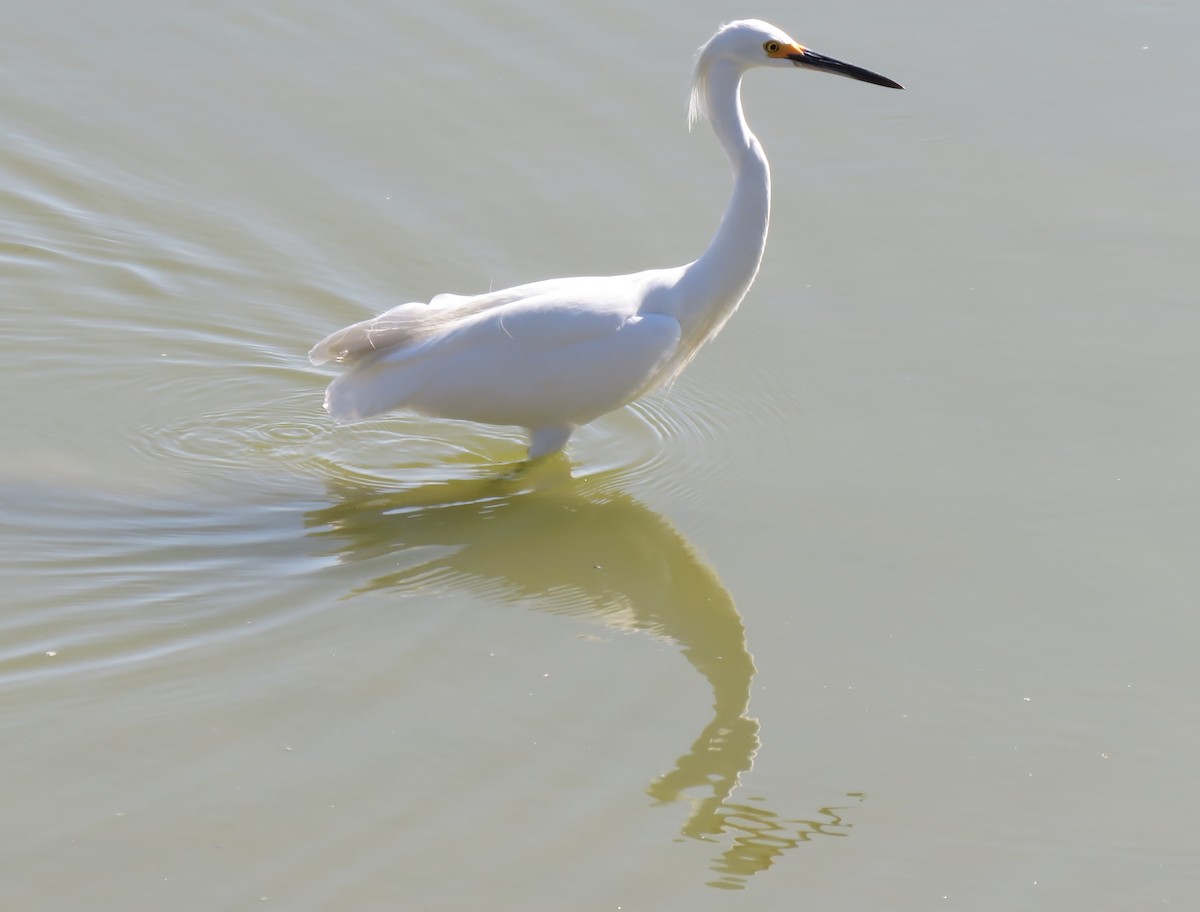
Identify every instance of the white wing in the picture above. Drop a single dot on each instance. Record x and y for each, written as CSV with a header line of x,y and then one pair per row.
x,y
560,352
409,324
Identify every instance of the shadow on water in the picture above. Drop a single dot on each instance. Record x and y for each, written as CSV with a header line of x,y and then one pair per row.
x,y
603,555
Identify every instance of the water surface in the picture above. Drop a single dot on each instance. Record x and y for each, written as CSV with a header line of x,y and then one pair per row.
x,y
888,601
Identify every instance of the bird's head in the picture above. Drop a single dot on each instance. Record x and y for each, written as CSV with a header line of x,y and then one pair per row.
x,y
749,43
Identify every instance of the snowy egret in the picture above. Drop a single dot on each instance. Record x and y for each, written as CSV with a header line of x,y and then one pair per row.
x,y
553,355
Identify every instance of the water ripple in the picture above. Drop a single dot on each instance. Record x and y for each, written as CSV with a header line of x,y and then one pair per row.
x,y
138,576
284,426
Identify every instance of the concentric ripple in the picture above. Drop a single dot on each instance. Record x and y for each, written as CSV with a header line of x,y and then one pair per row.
x,y
273,421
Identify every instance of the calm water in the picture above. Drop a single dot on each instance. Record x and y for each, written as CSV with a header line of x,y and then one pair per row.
x,y
890,602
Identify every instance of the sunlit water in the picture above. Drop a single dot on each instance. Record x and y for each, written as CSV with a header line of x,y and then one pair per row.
x,y
889,602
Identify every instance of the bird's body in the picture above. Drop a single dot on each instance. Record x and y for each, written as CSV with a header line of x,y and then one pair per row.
x,y
553,355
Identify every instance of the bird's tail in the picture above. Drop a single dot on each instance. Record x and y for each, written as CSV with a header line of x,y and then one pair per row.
x,y
370,388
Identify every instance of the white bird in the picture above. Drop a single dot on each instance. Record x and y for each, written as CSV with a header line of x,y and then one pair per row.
x,y
553,355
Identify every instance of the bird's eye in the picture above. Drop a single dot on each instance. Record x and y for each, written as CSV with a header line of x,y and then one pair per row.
x,y
771,47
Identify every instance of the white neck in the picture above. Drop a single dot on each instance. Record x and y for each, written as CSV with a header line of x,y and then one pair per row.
x,y
713,286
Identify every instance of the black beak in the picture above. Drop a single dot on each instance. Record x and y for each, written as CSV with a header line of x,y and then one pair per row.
x,y
815,61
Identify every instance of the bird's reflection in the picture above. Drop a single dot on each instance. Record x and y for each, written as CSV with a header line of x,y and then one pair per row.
x,y
602,554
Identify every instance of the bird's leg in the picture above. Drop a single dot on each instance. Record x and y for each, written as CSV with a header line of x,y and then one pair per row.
x,y
547,440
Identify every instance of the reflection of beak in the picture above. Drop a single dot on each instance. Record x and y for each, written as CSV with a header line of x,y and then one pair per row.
x,y
803,57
